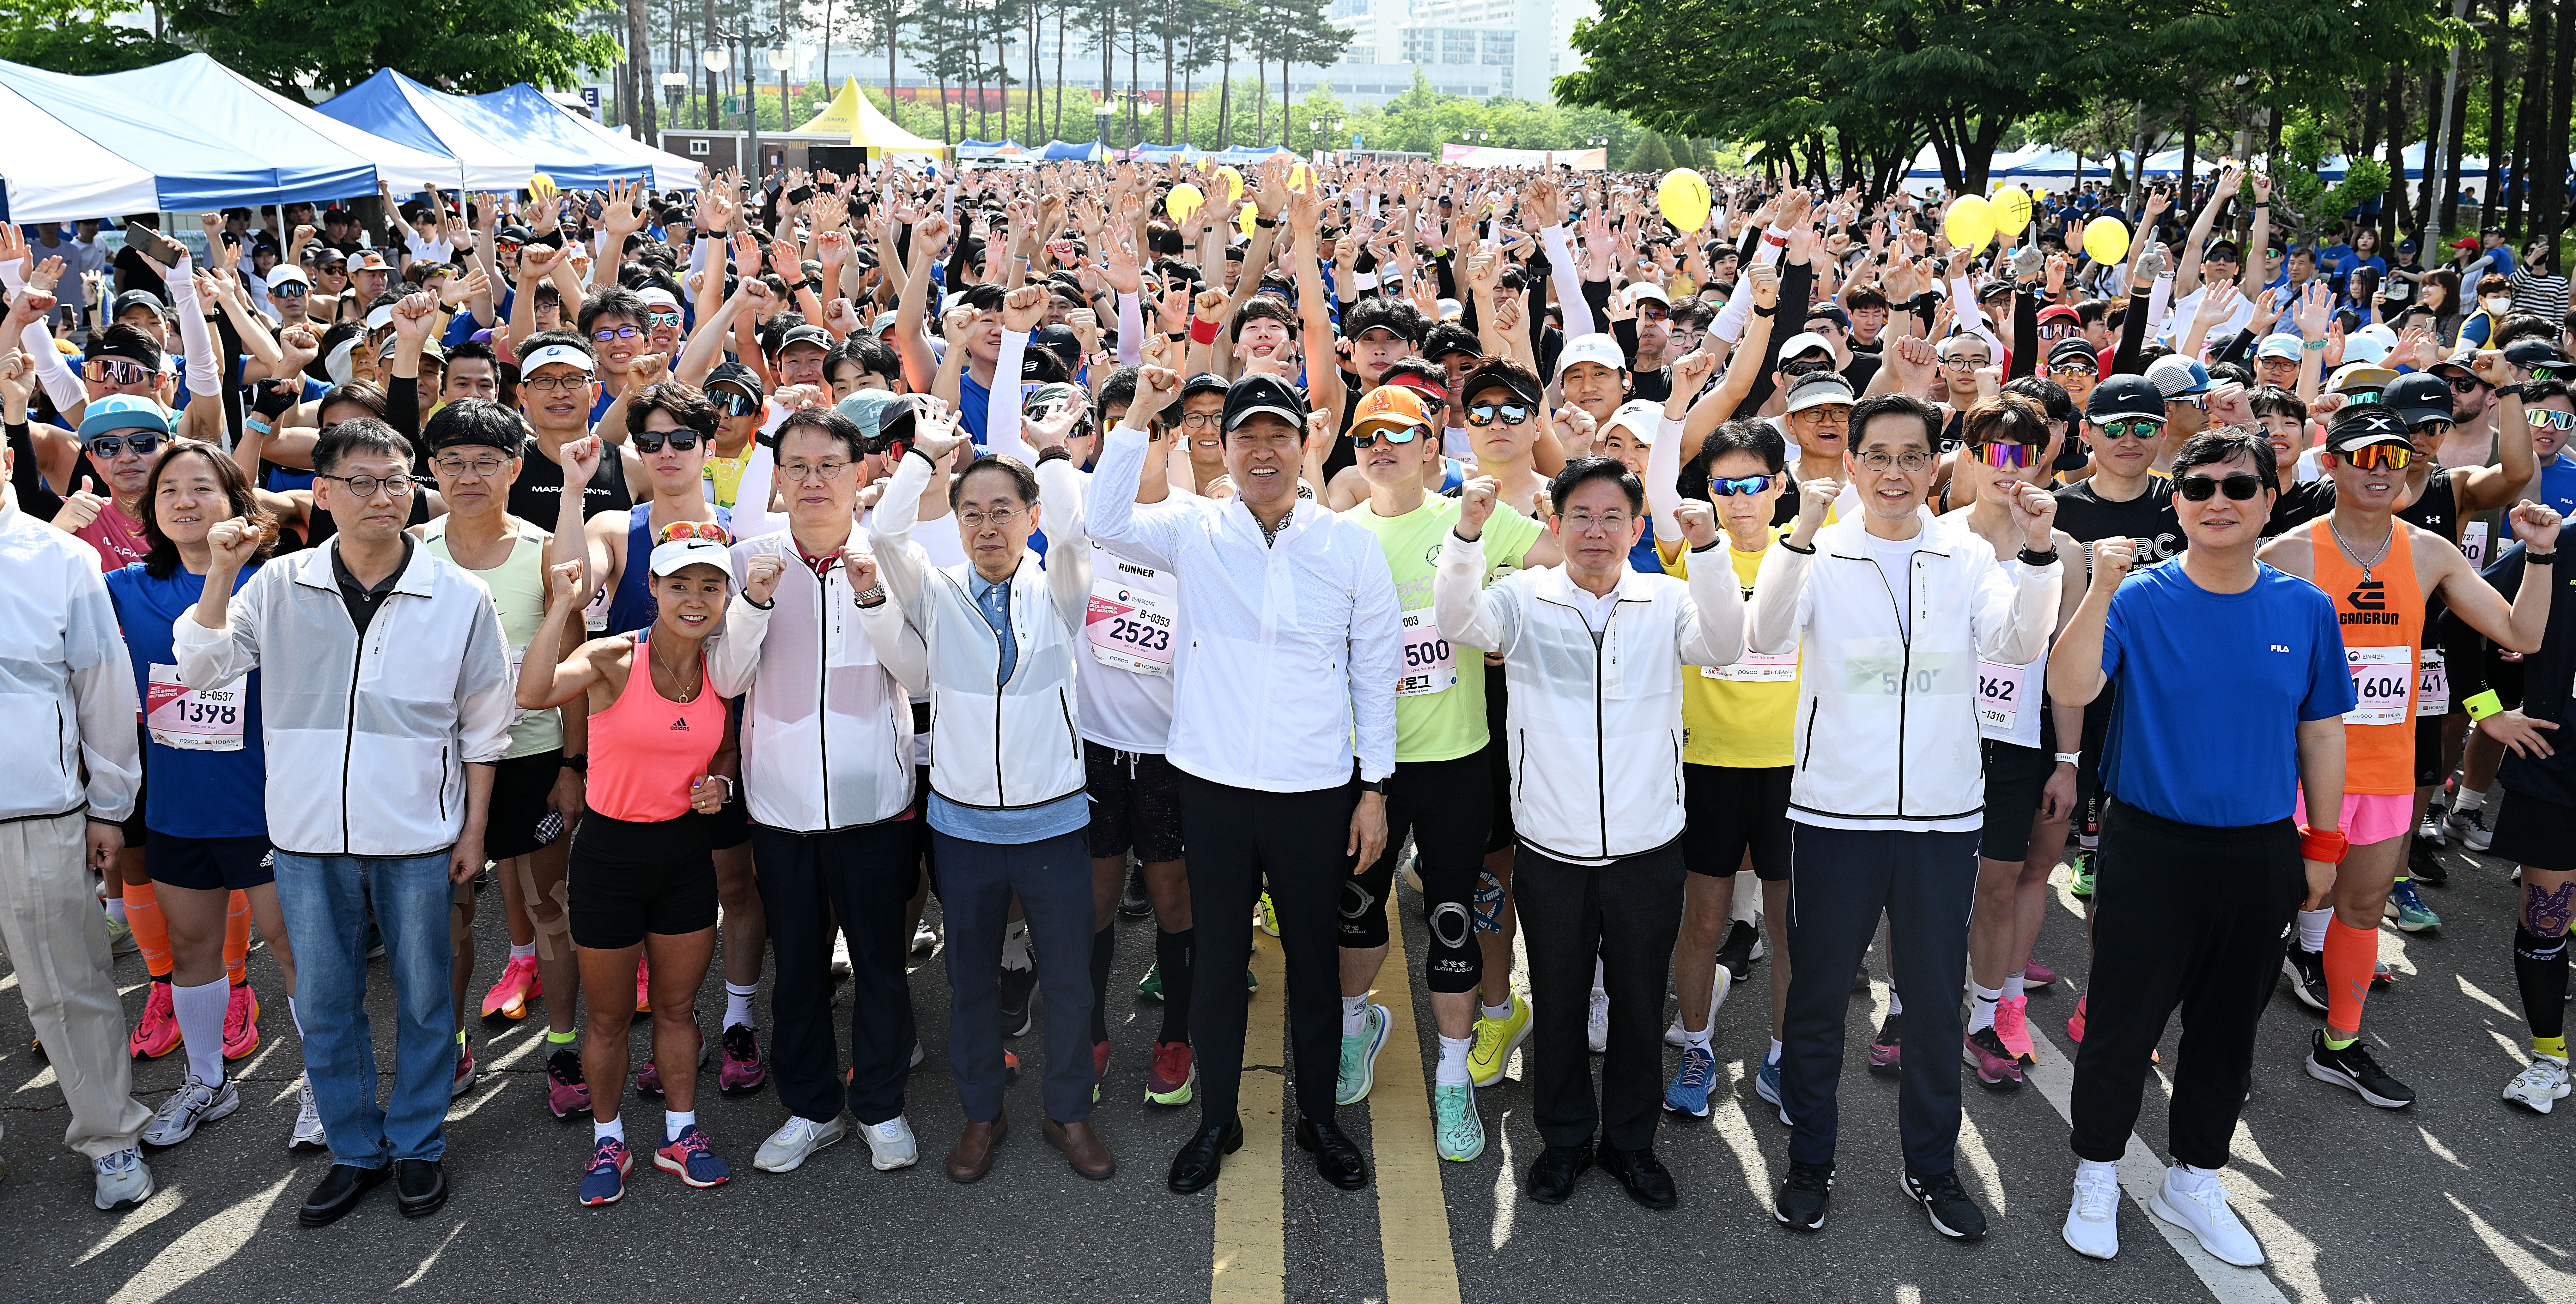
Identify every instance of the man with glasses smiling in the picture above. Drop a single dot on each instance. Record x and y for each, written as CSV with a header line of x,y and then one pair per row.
x,y
557,390
614,320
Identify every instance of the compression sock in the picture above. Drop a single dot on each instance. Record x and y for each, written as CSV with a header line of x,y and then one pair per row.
x,y
1176,957
1981,1010
2312,929
2350,954
151,931
738,1004
200,1011
2540,969
237,939
1104,949
1453,1062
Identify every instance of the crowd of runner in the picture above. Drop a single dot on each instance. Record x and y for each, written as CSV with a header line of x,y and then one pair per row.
x,y
722,574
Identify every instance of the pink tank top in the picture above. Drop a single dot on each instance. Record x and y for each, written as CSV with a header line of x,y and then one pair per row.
x,y
647,749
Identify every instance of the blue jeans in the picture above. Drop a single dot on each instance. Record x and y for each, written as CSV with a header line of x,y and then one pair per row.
x,y
325,901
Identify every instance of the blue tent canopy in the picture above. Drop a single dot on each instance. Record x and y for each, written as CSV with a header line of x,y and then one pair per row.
x,y
1058,150
504,136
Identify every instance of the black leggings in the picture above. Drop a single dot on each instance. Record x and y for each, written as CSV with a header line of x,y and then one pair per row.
x,y
1447,807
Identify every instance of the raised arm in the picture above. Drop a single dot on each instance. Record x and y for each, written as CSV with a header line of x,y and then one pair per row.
x,y
2075,674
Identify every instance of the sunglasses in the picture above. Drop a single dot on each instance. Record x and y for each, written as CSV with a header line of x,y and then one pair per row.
x,y
118,371
2004,455
2133,429
2073,369
1391,434
1653,312
652,443
664,318
1751,484
733,403
119,445
288,290
1484,414
707,530
2463,384
2373,457
2200,488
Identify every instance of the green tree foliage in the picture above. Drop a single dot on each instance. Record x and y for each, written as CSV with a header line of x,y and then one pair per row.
x,y
1651,155
470,46
68,37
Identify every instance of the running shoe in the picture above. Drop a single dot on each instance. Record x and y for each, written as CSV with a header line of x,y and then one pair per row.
x,y
1267,916
2012,1028
567,1093
1766,1084
241,1022
1803,1196
2435,827
1947,1204
1688,1093
2075,1023
467,1071
1010,1064
692,1160
1886,1053
2424,863
648,1079
2079,873
123,1179
1132,901
120,938
1359,1056
193,1103
891,1144
308,1134
795,1141
1250,983
2093,1222
1173,1075
2407,907
2353,1069
519,981
1596,1022
2036,974
925,939
2306,972
1723,982
157,1033
643,987
1019,1013
2539,1086
1150,987
1496,1039
840,961
605,1180
743,1070
1998,1069
1740,949
2477,829
2381,976
2203,1212
1457,1128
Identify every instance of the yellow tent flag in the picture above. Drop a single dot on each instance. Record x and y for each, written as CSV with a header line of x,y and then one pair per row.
x,y
853,116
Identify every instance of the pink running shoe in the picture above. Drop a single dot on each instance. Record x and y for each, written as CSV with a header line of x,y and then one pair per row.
x,y
744,1070
241,1022
604,1182
2012,1028
157,1033
1997,1070
2075,1023
519,981
2037,975
567,1093
1886,1052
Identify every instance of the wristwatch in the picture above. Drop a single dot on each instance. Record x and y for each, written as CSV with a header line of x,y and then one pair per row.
x,y
2070,758
1377,786
871,596
577,764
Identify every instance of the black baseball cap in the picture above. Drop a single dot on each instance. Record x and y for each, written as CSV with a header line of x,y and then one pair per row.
x,y
739,377
2364,424
2125,397
2528,354
1255,396
1498,378
1206,382
2074,350
2419,397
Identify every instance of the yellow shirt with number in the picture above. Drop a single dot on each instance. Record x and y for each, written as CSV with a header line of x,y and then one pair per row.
x,y
1732,722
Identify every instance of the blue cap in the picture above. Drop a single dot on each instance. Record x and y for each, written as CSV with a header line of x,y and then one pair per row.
x,y
123,412
2177,376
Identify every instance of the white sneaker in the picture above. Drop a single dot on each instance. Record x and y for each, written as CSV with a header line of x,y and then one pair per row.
x,y
1673,1034
924,937
890,1144
790,1145
193,1103
2541,1085
123,1179
2204,1213
1596,1022
840,955
308,1120
2093,1223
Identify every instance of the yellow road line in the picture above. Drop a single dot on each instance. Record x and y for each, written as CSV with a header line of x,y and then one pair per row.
x,y
1251,1259
1412,1213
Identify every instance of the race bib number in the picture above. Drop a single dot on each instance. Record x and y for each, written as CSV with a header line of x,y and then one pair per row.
x,y
1998,695
2382,677
1878,667
1430,664
1129,628
1756,668
2473,542
595,616
193,719
2433,685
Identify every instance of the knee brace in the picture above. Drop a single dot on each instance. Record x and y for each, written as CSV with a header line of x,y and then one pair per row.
x,y
1363,903
1455,963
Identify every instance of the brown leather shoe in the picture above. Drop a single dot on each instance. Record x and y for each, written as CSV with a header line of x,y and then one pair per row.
x,y
973,1156
1082,1148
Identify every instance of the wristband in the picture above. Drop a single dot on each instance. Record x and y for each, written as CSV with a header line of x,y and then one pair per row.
x,y
1265,222
2034,557
2530,558
2313,345
1760,311
759,606
2483,705
1808,551
2322,844
2070,758
1055,454
577,764
1203,332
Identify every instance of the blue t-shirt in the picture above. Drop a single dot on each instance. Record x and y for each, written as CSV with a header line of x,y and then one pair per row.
x,y
973,402
2208,690
190,793
2556,487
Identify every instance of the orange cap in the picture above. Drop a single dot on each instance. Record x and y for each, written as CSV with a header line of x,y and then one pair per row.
x,y
1391,407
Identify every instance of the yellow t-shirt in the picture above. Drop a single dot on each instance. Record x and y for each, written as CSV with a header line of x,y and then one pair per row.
x,y
1742,716
725,475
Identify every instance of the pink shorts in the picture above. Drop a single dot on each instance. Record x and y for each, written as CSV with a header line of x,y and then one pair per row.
x,y
2370,817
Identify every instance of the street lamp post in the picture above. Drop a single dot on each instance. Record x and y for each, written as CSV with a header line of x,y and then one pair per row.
x,y
1101,113
675,87
779,57
718,58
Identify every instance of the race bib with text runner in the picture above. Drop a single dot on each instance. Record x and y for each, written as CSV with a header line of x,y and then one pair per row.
x,y
1129,628
192,719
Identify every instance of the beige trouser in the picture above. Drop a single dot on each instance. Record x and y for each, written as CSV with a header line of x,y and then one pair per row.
x,y
56,939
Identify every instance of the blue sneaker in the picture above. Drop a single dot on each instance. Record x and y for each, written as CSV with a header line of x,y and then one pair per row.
x,y
605,1183
1689,1092
1766,1084
693,1159
2407,907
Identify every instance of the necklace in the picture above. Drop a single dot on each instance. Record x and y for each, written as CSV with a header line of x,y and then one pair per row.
x,y
2355,557
688,693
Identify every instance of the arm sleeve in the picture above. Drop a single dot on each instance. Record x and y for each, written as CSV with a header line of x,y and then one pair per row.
x,y
1377,658
1729,325
1002,435
1663,479
2025,329
1713,620
1131,329
205,376
62,384
2133,334
1152,535
1797,285
1560,266
1068,572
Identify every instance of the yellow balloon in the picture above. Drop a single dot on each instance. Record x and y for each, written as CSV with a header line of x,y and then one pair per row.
x,y
1233,184
1970,223
1184,200
1683,198
2106,240
541,186
1243,220
2012,210
1301,177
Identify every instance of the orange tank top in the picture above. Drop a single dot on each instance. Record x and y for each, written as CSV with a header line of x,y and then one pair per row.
x,y
647,749
2381,613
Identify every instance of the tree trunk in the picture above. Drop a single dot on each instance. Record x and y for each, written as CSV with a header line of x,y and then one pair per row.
x,y
827,43
893,30
2549,206
2190,157
2395,206
2499,42
1225,98
2455,126
1286,48
1058,132
707,39
1167,82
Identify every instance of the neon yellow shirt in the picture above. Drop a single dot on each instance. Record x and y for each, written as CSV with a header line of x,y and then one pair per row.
x,y
1440,701
1742,716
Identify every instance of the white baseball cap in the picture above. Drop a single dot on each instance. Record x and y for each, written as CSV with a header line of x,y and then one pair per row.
x,y
1595,347
673,556
1641,416
1803,343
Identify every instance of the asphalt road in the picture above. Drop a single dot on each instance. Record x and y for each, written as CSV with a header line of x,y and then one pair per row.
x,y
2461,1198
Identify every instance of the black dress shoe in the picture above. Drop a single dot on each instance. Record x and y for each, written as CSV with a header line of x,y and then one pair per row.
x,y
420,1187
1552,1178
1336,1159
338,1193
1203,1157
1645,1177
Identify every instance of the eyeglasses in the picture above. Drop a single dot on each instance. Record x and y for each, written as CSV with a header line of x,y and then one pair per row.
x,y
118,371
663,318
1750,484
2132,429
652,443
481,468
119,445
2373,457
999,518
2238,487
615,333
1485,414
2463,384
1390,434
2200,401
1202,420
1970,360
2555,420
707,530
1608,522
1912,461
365,486
800,472
1653,312
733,403
2004,455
